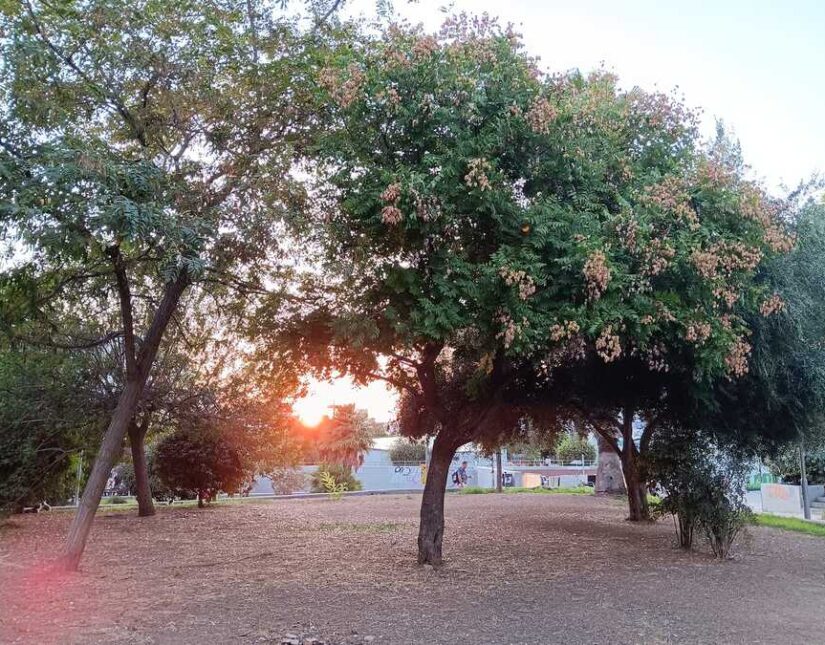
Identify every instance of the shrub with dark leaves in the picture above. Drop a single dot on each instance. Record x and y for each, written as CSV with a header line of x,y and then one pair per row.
x,y
703,486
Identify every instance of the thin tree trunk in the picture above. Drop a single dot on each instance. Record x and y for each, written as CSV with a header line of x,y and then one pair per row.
x,y
112,444
110,450
431,530
137,437
499,474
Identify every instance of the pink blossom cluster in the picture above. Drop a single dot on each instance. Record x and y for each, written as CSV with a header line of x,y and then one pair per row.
x,y
344,92
727,294
541,115
778,240
725,257
566,330
608,345
391,214
671,196
698,332
755,205
427,207
389,95
521,279
772,305
663,314
597,274
737,359
476,176
715,173
424,47
656,358
511,329
658,256
627,231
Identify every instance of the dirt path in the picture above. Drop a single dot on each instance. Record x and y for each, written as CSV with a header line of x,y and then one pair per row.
x,y
522,569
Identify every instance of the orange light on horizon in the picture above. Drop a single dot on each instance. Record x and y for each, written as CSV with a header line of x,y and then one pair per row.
x,y
310,410
322,396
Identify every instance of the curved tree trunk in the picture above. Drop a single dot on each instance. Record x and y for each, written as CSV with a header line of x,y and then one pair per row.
x,y
431,529
137,437
110,450
112,444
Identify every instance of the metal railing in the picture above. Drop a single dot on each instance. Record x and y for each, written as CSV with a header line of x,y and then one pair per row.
x,y
550,463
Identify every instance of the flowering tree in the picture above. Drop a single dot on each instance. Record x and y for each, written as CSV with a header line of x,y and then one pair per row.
x,y
782,397
673,286
487,224
423,158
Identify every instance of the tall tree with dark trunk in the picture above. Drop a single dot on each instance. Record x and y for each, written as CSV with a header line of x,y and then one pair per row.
x,y
424,280
127,168
486,225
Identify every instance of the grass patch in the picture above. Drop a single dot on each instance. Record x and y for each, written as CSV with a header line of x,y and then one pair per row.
x,y
360,527
789,524
575,490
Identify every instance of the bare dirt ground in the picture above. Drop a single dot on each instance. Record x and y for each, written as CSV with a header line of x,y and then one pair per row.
x,y
521,569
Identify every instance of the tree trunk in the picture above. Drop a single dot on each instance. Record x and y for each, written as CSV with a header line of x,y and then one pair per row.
x,y
112,444
609,477
200,499
636,486
633,479
431,530
110,450
137,436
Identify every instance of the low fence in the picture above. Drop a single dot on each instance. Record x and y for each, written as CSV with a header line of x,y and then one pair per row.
x,y
550,463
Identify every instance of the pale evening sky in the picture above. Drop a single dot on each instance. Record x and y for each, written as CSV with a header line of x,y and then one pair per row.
x,y
759,65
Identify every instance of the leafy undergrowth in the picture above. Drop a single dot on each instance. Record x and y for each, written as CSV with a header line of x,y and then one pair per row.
x,y
789,524
575,490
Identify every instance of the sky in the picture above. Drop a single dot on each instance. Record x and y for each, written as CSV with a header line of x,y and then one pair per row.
x,y
758,65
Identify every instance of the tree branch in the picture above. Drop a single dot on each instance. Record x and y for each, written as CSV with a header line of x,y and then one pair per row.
x,y
114,101
87,344
126,315
332,9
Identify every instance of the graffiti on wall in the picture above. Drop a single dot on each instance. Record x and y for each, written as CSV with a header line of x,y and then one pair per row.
x,y
411,476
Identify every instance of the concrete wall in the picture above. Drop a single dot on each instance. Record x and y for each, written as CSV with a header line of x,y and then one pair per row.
x,y
784,498
379,473
562,477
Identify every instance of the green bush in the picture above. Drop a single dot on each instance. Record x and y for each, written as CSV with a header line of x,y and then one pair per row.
x,y
703,486
199,460
404,451
573,448
341,475
286,481
117,499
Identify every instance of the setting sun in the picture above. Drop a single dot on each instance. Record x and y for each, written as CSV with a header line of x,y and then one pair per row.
x,y
310,410
375,398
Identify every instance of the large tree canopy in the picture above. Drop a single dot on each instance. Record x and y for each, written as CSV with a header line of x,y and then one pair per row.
x,y
488,225
146,146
